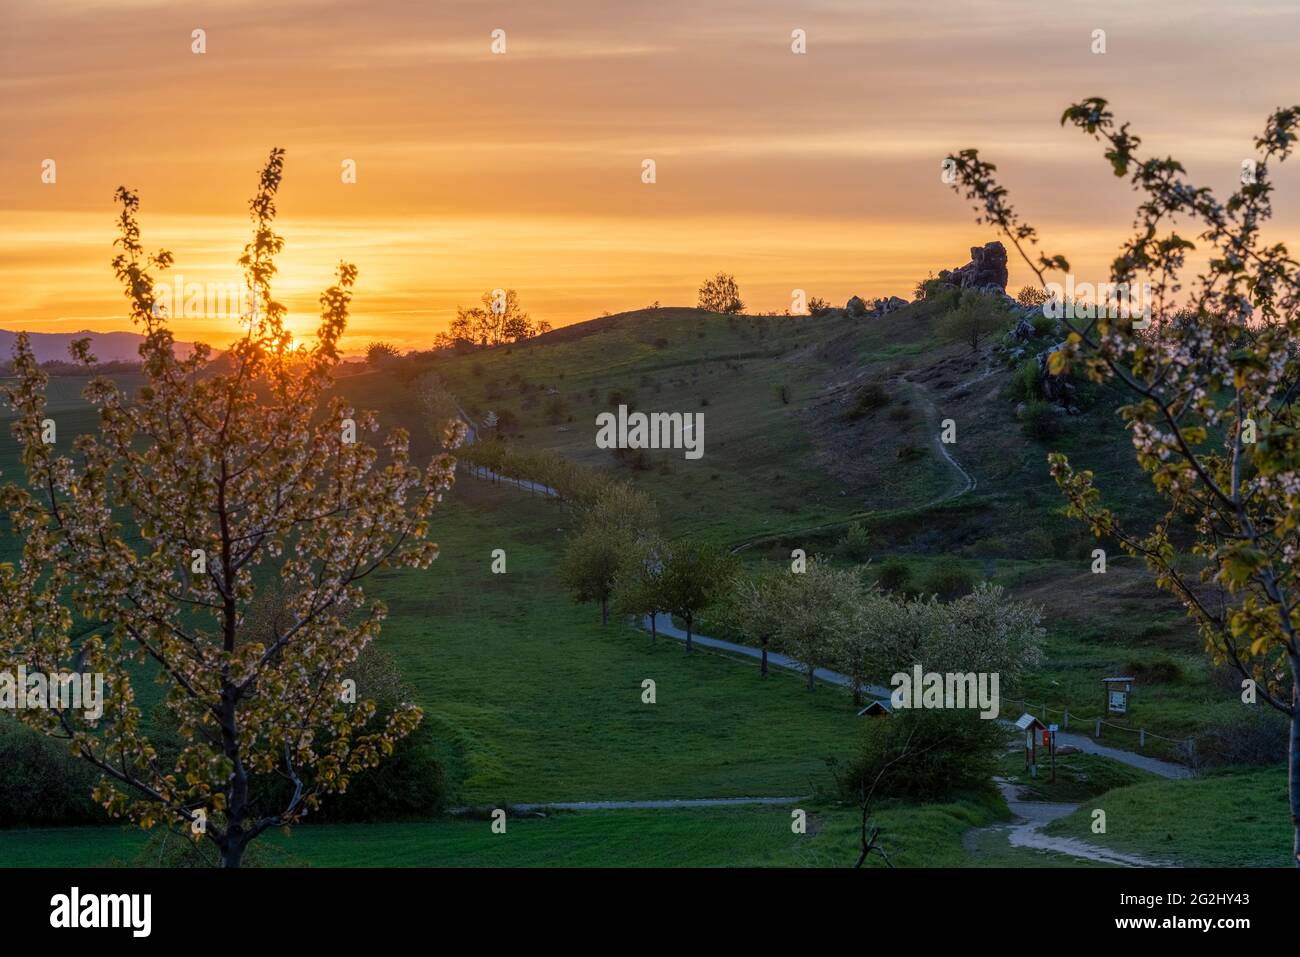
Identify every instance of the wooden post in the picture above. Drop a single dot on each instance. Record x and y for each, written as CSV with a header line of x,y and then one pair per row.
x,y
1066,723
1142,738
1097,733
1051,735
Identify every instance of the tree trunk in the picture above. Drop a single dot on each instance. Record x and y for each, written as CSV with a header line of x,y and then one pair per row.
x,y
654,627
1295,758
812,677
604,611
232,853
857,693
762,668
689,646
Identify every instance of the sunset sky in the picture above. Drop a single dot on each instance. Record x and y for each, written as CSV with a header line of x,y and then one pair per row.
x,y
523,170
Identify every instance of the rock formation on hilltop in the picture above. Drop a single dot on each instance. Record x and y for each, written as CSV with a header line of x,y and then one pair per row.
x,y
878,307
987,269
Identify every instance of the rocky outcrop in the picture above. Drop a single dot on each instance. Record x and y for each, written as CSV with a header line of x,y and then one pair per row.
x,y
876,308
883,307
986,271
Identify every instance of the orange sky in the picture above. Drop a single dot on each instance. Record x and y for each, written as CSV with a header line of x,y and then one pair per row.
x,y
523,170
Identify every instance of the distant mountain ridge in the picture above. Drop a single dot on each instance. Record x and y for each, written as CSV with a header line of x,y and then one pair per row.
x,y
104,346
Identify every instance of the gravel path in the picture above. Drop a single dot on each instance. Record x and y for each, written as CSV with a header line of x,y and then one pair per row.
x,y
1032,816
664,625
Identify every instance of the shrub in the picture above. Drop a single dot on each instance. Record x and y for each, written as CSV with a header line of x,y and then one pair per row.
x,y
1031,296
949,752
870,397
948,578
555,409
721,294
617,397
41,785
410,783
1043,325
1252,736
1040,421
856,543
1155,671
908,452
1026,383
928,287
976,317
381,353
895,575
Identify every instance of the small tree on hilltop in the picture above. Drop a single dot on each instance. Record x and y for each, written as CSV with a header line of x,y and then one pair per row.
x,y
209,486
721,294
381,353
500,320
1214,418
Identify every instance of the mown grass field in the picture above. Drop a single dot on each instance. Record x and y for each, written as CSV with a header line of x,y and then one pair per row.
x,y
708,837
1229,819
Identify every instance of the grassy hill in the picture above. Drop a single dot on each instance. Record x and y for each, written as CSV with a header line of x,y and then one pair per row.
x,y
811,424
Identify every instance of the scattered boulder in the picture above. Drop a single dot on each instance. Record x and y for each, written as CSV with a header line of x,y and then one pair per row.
x,y
1056,388
877,308
1022,331
883,307
986,272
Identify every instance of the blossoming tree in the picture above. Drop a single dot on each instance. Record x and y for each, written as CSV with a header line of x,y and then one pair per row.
x,y
224,479
1214,380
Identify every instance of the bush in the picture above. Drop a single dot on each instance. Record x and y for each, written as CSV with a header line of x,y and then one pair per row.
x,y
1031,296
721,294
1156,671
617,397
870,397
856,543
41,785
928,287
382,353
949,752
1043,325
1253,736
1040,421
408,785
1026,383
555,410
895,575
976,317
948,579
